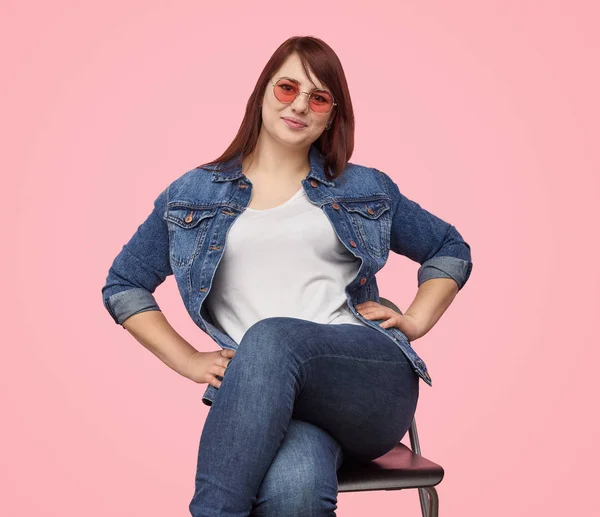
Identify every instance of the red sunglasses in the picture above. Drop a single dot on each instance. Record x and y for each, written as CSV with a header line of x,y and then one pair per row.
x,y
286,91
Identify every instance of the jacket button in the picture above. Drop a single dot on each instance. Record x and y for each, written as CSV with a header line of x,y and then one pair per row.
x,y
370,211
188,219
353,244
313,183
242,185
363,281
204,289
336,206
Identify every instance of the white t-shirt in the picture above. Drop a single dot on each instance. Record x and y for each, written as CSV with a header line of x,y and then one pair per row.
x,y
284,261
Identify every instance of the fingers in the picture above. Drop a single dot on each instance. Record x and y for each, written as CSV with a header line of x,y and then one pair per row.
x,y
220,367
217,371
368,303
227,354
386,324
368,313
220,371
375,312
224,362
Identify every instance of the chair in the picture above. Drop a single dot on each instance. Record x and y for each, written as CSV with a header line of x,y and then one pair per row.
x,y
399,469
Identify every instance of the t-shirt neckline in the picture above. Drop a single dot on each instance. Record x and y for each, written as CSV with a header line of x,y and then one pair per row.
x,y
300,190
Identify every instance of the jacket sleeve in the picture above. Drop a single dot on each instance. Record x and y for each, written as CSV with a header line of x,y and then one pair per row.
x,y
140,267
427,239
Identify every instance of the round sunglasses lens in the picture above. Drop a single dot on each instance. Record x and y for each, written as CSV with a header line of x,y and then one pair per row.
x,y
321,102
285,91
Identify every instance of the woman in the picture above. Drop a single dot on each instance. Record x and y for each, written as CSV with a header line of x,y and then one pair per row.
x,y
274,247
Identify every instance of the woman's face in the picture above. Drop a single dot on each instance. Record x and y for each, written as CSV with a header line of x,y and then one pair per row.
x,y
274,111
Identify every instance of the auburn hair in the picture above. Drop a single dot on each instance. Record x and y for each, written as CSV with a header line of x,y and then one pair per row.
x,y
335,144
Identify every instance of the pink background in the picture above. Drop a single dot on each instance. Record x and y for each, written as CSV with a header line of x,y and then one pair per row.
x,y
486,113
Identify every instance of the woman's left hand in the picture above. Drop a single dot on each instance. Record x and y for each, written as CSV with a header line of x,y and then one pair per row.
x,y
406,323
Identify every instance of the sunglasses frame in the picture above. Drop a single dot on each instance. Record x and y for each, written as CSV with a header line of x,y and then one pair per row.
x,y
310,94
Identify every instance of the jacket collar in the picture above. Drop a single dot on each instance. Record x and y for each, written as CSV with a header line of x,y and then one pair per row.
x,y
234,171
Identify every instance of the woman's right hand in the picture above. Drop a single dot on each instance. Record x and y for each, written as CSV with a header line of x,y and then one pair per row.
x,y
203,367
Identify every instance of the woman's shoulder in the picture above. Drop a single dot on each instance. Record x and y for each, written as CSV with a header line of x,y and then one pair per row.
x,y
193,180
365,176
363,169
195,175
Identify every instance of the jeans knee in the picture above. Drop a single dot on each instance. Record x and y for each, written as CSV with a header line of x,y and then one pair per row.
x,y
268,338
303,490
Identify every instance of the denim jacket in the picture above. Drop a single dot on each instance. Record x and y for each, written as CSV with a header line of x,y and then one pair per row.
x,y
185,236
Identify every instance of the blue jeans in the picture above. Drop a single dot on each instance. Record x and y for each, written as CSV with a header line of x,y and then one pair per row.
x,y
287,414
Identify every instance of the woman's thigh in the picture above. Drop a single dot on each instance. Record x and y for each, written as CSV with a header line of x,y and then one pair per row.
x,y
356,383
302,479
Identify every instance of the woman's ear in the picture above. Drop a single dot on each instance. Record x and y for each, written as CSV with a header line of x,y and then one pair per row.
x,y
330,121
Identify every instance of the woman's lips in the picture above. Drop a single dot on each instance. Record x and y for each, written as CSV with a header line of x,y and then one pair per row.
x,y
293,124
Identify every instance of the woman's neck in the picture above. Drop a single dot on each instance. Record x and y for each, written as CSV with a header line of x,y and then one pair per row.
x,y
272,160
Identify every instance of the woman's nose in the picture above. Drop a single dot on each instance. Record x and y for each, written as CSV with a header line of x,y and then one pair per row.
x,y
300,103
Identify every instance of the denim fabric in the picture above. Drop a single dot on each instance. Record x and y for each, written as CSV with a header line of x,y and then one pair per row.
x,y
185,236
328,394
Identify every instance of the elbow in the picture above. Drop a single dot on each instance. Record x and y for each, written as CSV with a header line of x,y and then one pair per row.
x,y
452,260
445,267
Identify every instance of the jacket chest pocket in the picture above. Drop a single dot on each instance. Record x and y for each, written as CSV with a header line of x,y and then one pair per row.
x,y
187,230
371,222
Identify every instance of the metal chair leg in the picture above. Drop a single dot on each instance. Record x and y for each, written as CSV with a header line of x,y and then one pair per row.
x,y
429,503
434,502
427,495
424,499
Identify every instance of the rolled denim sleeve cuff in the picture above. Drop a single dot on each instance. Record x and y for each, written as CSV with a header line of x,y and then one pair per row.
x,y
124,304
445,267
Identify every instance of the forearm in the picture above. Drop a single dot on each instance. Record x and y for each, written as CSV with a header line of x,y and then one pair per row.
x,y
153,331
433,298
